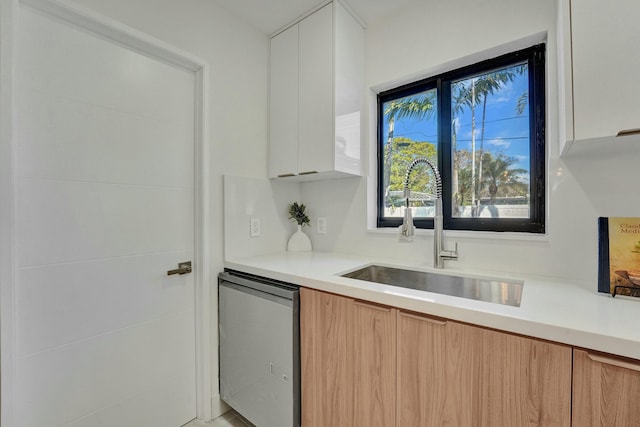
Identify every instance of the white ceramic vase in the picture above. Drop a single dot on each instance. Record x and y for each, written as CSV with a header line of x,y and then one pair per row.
x,y
299,241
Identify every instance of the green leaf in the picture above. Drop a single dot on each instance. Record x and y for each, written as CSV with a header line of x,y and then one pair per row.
x,y
297,213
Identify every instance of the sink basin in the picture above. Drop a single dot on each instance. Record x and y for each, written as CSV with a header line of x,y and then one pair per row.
x,y
488,290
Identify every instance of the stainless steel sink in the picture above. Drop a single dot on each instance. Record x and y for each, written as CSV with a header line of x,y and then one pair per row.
x,y
488,290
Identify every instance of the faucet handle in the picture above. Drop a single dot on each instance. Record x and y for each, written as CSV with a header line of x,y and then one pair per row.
x,y
450,255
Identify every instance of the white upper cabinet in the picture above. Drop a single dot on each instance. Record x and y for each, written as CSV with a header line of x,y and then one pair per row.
x,y
283,103
598,81
316,97
315,113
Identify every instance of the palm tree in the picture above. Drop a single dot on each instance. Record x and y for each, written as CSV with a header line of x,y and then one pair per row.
x,y
496,80
502,179
464,94
462,160
419,106
471,92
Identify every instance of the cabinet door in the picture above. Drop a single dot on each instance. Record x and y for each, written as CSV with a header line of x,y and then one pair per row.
x,y
606,87
460,375
605,390
348,90
375,365
316,134
326,330
436,372
523,381
283,104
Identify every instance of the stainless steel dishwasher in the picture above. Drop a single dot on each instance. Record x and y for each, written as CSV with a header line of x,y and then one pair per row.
x,y
259,324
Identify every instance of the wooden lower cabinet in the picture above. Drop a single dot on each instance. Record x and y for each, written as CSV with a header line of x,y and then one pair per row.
x,y
375,366
453,374
326,358
435,384
605,390
523,381
348,361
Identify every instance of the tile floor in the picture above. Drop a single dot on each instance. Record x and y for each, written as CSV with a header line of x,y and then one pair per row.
x,y
229,419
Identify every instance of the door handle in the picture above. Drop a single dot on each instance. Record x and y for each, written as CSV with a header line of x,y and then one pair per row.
x,y
183,268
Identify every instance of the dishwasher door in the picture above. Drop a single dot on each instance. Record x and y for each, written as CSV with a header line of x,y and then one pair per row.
x,y
259,351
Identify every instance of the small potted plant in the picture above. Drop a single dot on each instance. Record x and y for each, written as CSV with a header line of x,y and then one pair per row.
x,y
297,213
299,241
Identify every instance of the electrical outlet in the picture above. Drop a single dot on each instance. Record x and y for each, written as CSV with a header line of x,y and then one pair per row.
x,y
254,230
321,225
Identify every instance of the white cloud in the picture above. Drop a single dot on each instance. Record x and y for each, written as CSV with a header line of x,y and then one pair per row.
x,y
497,142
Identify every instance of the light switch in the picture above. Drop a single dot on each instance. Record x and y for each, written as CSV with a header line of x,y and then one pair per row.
x,y
321,225
255,227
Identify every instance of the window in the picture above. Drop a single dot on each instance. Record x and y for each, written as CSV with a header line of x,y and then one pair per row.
x,y
483,126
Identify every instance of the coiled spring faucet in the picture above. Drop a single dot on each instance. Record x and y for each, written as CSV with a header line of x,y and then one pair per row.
x,y
407,227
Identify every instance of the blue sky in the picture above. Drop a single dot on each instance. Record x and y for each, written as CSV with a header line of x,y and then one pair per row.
x,y
505,132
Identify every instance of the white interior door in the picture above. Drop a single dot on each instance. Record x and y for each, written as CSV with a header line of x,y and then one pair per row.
x,y
104,206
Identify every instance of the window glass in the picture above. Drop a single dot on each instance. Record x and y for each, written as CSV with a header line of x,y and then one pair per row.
x,y
483,126
490,144
410,129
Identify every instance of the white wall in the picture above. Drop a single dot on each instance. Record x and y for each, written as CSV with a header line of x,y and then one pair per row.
x,y
264,200
7,8
238,59
430,37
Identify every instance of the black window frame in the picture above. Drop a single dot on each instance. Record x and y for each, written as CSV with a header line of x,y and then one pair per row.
x,y
535,58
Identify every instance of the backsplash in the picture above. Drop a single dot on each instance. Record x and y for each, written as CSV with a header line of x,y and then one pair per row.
x,y
579,192
261,199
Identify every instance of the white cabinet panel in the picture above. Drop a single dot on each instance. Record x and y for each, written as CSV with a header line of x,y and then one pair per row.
x,y
316,92
598,83
605,66
349,92
283,104
324,55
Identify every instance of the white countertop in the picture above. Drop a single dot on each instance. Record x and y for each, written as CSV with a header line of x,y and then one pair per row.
x,y
554,310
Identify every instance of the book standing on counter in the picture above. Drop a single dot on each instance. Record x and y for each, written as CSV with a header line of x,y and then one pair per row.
x,y
619,256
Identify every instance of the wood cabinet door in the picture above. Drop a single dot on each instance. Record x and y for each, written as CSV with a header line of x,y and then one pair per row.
x,y
326,345
375,365
436,380
522,381
370,365
605,390
452,374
